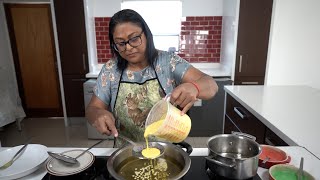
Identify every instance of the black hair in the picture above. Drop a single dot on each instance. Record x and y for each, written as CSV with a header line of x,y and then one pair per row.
x,y
128,15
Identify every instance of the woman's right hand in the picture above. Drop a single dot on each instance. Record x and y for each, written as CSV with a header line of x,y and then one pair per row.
x,y
100,118
105,122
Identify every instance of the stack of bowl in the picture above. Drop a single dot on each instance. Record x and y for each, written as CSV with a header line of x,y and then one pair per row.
x,y
276,161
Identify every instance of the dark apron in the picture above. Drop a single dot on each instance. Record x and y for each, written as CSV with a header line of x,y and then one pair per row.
x,y
132,105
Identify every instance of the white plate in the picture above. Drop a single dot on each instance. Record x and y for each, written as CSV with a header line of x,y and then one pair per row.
x,y
59,168
28,162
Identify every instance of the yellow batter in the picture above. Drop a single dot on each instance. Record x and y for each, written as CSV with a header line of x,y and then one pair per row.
x,y
151,129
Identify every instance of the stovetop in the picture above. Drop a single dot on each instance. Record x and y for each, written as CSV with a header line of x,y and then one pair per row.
x,y
99,171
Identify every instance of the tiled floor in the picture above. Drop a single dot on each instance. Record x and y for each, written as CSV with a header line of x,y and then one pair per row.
x,y
51,132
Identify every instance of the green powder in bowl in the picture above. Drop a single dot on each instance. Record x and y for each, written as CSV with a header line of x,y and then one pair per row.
x,y
287,172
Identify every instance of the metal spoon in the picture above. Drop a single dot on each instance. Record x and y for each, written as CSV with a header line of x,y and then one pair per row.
x,y
137,147
71,160
265,160
300,171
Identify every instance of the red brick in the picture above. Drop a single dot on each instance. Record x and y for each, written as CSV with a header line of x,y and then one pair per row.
x,y
185,33
219,23
218,18
212,41
203,59
96,24
101,47
104,42
212,51
217,27
104,24
98,19
209,18
184,23
103,33
217,36
204,23
194,59
213,23
99,29
107,19
101,55
195,23
199,18
190,18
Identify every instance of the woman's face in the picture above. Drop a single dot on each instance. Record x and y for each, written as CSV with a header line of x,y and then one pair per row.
x,y
125,32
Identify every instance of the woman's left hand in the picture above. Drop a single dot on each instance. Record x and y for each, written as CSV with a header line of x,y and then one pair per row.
x,y
185,95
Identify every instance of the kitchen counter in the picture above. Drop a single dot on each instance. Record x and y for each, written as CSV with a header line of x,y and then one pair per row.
x,y
291,112
311,163
212,69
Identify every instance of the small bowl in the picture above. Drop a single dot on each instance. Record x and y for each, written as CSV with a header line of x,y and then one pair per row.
x,y
275,155
287,172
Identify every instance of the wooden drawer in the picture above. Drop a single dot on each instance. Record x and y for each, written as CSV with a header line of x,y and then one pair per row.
x,y
244,120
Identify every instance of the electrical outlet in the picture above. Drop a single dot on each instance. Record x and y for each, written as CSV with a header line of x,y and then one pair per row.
x,y
198,103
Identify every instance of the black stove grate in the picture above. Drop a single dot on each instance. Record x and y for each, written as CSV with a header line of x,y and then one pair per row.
x,y
99,171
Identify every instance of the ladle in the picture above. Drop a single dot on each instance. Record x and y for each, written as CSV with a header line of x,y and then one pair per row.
x,y
138,147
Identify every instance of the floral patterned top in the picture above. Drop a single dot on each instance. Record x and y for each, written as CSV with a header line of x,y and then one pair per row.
x,y
170,69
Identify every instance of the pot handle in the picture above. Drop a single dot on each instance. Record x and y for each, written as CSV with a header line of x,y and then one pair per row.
x,y
211,159
244,135
186,145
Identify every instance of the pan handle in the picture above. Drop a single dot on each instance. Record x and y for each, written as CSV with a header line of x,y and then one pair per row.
x,y
211,159
244,135
186,145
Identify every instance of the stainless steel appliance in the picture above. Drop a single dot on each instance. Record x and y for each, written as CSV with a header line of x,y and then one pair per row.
x,y
88,92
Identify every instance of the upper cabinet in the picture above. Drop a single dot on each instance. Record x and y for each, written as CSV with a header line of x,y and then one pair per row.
x,y
253,40
71,29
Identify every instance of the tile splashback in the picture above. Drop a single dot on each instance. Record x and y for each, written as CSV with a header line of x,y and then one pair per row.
x,y
200,39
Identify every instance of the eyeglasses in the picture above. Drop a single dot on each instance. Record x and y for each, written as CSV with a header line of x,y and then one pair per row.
x,y
133,42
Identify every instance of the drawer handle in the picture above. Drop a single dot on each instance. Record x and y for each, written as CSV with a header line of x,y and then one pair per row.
x,y
269,142
239,112
240,63
84,62
250,83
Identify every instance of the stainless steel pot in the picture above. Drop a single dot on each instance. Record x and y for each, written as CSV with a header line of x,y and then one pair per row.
x,y
233,156
123,156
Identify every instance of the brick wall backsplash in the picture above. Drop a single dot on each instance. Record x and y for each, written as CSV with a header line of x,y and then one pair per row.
x,y
102,39
200,39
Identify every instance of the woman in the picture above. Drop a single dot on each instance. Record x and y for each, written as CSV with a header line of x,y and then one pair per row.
x,y
139,76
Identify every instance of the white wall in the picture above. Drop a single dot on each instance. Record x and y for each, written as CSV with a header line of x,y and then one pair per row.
x,y
294,54
107,8
202,8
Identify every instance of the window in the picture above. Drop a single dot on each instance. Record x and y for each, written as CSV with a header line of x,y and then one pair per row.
x,y
163,19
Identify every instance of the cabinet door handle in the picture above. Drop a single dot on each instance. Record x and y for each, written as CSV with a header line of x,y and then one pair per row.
x,y
250,83
84,61
240,63
238,111
268,141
